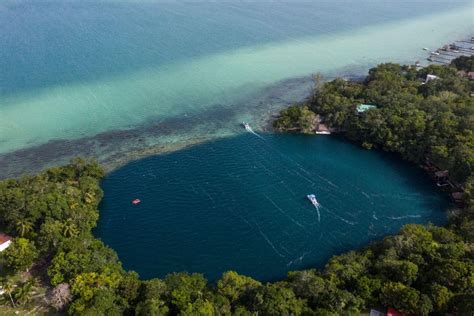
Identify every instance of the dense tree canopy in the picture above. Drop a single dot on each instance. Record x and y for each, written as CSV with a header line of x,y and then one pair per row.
x,y
415,119
464,63
297,118
421,270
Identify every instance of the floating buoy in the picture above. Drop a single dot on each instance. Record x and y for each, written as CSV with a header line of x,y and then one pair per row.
x,y
136,201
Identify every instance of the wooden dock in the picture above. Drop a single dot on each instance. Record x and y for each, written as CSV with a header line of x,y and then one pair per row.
x,y
446,54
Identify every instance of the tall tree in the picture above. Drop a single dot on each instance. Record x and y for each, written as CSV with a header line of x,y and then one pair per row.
x,y
24,226
9,288
70,228
60,296
23,292
21,254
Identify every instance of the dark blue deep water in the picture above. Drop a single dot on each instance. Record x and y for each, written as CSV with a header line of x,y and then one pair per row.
x,y
240,204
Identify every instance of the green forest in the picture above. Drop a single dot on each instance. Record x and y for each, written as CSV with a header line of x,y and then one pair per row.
x,y
422,270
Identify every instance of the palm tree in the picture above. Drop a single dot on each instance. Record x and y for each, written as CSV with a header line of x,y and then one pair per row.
x,y
24,226
89,197
70,229
8,288
23,293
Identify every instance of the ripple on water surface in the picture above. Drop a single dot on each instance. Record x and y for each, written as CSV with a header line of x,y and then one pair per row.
x,y
240,203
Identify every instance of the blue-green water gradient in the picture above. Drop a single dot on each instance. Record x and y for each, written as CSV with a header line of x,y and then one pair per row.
x,y
121,79
76,70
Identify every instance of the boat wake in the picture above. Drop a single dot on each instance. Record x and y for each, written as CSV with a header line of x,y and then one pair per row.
x,y
250,130
299,259
403,217
316,204
284,213
319,214
269,241
340,218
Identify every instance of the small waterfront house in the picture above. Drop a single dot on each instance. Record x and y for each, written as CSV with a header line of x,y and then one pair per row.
x,y
458,197
442,176
461,73
470,75
394,312
322,129
361,108
374,312
5,241
430,77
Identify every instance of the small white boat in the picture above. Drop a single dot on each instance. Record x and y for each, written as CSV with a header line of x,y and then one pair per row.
x,y
246,126
425,48
313,200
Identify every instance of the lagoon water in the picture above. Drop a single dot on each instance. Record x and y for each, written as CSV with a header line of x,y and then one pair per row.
x,y
119,80
112,77
240,204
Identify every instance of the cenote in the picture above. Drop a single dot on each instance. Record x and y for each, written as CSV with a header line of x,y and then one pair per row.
x,y
240,204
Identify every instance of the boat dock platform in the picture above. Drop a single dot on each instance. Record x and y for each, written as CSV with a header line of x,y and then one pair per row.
x,y
446,54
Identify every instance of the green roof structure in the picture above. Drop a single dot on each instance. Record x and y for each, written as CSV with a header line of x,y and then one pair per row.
x,y
364,107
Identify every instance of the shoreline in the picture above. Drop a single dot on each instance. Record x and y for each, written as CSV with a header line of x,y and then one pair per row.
x,y
410,251
269,156
448,52
116,148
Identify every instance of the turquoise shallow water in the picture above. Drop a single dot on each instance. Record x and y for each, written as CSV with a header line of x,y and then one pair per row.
x,y
240,204
112,78
75,76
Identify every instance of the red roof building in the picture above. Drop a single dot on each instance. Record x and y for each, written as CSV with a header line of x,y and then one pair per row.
x,y
5,241
394,312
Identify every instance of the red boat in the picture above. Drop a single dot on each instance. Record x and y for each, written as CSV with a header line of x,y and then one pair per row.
x,y
136,202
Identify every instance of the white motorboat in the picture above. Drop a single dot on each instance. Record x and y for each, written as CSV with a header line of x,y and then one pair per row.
x,y
313,199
